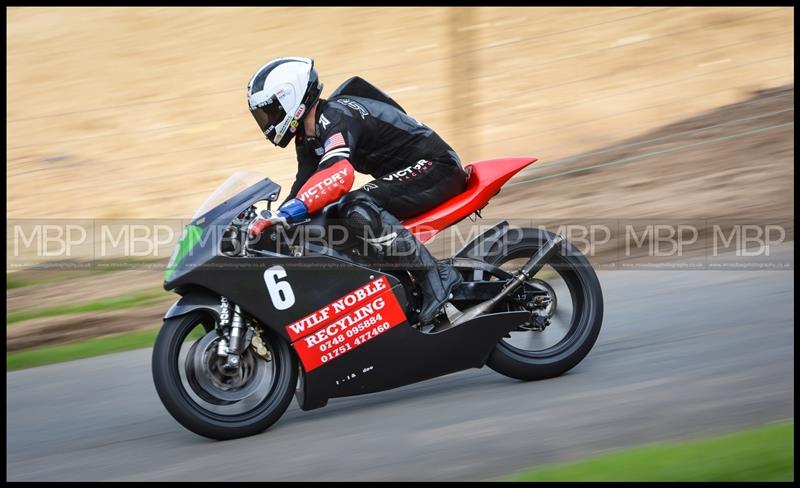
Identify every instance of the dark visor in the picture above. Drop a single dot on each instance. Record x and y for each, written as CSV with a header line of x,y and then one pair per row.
x,y
269,114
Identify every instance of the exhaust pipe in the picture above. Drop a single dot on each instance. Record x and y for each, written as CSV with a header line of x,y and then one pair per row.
x,y
525,273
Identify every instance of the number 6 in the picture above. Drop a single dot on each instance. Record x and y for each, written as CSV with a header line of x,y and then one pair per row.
x,y
279,291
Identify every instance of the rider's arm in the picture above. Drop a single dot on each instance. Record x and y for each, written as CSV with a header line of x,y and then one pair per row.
x,y
325,186
334,176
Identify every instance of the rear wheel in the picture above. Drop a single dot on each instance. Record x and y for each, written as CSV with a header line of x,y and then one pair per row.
x,y
565,326
205,399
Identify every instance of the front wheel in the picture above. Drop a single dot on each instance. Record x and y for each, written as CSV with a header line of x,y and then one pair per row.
x,y
205,399
565,330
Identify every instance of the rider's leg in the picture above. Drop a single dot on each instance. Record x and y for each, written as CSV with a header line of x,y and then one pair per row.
x,y
372,214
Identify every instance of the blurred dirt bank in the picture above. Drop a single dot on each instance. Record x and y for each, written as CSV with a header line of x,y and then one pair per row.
x,y
679,113
709,173
141,112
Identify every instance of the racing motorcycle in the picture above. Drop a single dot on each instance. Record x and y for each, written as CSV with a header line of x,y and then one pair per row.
x,y
298,315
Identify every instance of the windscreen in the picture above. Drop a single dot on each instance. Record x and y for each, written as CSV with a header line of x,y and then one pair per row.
x,y
237,182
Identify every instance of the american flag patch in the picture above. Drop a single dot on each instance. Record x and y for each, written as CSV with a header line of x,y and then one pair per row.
x,y
334,141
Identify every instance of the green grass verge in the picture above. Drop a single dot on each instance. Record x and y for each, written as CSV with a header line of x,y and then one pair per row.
x,y
33,276
13,281
111,303
98,346
93,347
762,454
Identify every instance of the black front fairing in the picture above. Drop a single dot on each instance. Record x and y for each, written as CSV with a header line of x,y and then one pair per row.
x,y
210,226
319,276
395,356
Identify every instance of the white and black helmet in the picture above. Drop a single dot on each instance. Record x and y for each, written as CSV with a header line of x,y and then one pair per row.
x,y
279,94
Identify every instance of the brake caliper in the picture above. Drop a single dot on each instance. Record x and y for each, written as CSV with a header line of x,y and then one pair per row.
x,y
540,308
259,346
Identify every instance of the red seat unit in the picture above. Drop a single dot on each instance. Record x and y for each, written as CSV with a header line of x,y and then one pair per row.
x,y
485,180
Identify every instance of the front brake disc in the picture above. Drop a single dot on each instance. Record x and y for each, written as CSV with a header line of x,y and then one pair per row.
x,y
204,367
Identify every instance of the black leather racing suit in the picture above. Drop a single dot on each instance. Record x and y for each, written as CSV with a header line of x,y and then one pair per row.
x,y
414,171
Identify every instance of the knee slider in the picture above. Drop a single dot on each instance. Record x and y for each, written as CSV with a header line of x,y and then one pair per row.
x,y
361,215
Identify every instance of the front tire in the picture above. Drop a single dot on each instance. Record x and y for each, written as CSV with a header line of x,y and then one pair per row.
x,y
586,317
202,413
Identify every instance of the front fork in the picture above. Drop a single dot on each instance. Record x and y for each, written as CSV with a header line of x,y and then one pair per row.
x,y
240,335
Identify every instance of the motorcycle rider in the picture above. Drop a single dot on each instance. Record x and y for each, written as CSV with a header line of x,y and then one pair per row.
x,y
358,128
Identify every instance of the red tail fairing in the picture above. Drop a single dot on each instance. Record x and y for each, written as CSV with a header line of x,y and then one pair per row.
x,y
485,180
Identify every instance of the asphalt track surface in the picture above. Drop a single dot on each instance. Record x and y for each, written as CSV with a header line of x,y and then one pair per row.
x,y
681,354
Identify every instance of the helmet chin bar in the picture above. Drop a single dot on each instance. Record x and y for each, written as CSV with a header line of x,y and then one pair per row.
x,y
286,137
278,96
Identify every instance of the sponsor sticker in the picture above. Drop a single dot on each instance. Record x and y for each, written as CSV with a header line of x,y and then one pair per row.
x,y
345,324
331,182
300,111
324,121
334,141
410,172
355,106
369,186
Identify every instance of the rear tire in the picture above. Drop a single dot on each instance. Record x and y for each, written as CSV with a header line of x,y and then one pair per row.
x,y
577,272
202,420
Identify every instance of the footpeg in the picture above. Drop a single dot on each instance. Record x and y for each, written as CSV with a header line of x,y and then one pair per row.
x,y
453,314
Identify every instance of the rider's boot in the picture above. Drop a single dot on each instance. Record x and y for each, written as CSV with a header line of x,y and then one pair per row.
x,y
436,279
437,286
